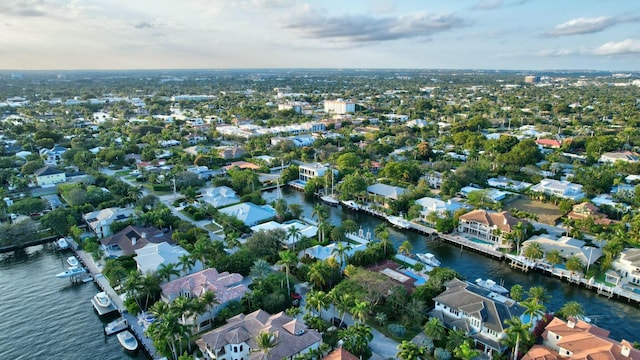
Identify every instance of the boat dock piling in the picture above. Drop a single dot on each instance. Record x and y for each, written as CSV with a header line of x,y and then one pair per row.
x,y
116,301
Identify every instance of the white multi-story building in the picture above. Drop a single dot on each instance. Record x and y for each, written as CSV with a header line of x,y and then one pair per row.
x,y
563,189
487,226
339,107
628,266
310,171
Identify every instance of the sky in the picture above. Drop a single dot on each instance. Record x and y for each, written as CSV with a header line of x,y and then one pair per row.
x,y
423,34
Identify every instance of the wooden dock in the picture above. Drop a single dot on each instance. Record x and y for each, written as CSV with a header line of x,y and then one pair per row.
x,y
470,245
116,300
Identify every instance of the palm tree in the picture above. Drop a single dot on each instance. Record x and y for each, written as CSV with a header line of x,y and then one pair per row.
x,y
416,309
186,263
466,351
149,287
534,250
356,338
294,234
554,257
519,233
538,294
380,228
200,250
349,226
265,341
533,309
385,241
405,248
132,285
517,333
359,310
318,274
571,309
517,292
434,328
260,269
166,271
574,264
455,338
408,350
318,300
287,259
343,303
319,212
209,299
342,252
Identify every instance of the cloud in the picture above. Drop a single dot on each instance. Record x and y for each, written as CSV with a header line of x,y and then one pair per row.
x,y
22,8
272,4
488,5
143,25
557,52
627,46
580,26
363,28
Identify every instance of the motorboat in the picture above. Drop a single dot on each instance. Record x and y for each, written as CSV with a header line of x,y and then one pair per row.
x,y
71,271
429,259
73,261
102,299
116,326
491,285
399,222
62,244
351,204
127,340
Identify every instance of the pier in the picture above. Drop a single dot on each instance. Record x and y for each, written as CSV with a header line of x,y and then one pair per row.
x,y
116,300
468,244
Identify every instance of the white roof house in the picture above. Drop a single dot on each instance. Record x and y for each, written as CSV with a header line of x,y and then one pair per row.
x,y
324,252
249,213
221,196
152,256
568,247
628,265
100,221
440,207
564,189
306,230
492,194
388,191
508,184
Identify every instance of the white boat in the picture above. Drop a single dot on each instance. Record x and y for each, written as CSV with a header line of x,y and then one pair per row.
x,y
62,244
116,326
330,200
127,340
398,221
429,259
71,271
491,285
351,204
73,261
102,299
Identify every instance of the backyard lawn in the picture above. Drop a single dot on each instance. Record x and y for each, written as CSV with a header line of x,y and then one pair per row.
x,y
547,213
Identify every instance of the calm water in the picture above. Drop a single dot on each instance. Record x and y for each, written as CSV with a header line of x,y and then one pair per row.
x,y
43,317
622,319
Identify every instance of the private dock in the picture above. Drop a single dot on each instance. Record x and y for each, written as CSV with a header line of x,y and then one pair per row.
x,y
116,300
471,245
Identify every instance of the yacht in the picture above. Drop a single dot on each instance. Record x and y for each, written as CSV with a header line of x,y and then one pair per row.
x,y
491,285
102,299
73,261
351,204
71,271
127,340
399,222
429,259
62,244
330,200
116,326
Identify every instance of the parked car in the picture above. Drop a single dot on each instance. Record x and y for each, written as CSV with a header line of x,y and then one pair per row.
x,y
338,323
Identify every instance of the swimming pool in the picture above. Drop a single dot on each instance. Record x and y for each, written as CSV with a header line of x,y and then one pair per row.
x,y
483,242
419,280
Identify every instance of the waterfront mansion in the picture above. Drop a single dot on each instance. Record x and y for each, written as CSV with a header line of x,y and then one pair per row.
x,y
487,226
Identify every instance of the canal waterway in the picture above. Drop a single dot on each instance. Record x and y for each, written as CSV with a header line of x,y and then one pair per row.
x,y
44,317
621,318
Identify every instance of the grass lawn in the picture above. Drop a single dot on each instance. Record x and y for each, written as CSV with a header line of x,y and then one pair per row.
x,y
547,213
186,214
122,172
212,227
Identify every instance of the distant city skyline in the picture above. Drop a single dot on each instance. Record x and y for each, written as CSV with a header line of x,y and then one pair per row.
x,y
198,34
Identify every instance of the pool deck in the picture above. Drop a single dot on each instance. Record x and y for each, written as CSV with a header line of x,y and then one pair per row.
x,y
472,245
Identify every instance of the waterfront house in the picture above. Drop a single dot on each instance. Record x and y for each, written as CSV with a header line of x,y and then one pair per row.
x,y
578,340
486,225
627,265
100,221
311,170
249,213
49,175
438,207
226,286
220,196
127,240
563,189
567,246
152,257
477,311
237,338
502,182
306,230
388,192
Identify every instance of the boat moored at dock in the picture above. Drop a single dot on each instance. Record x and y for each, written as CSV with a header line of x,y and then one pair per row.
x,y
71,271
62,244
429,259
102,299
398,222
73,261
117,325
491,285
127,340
